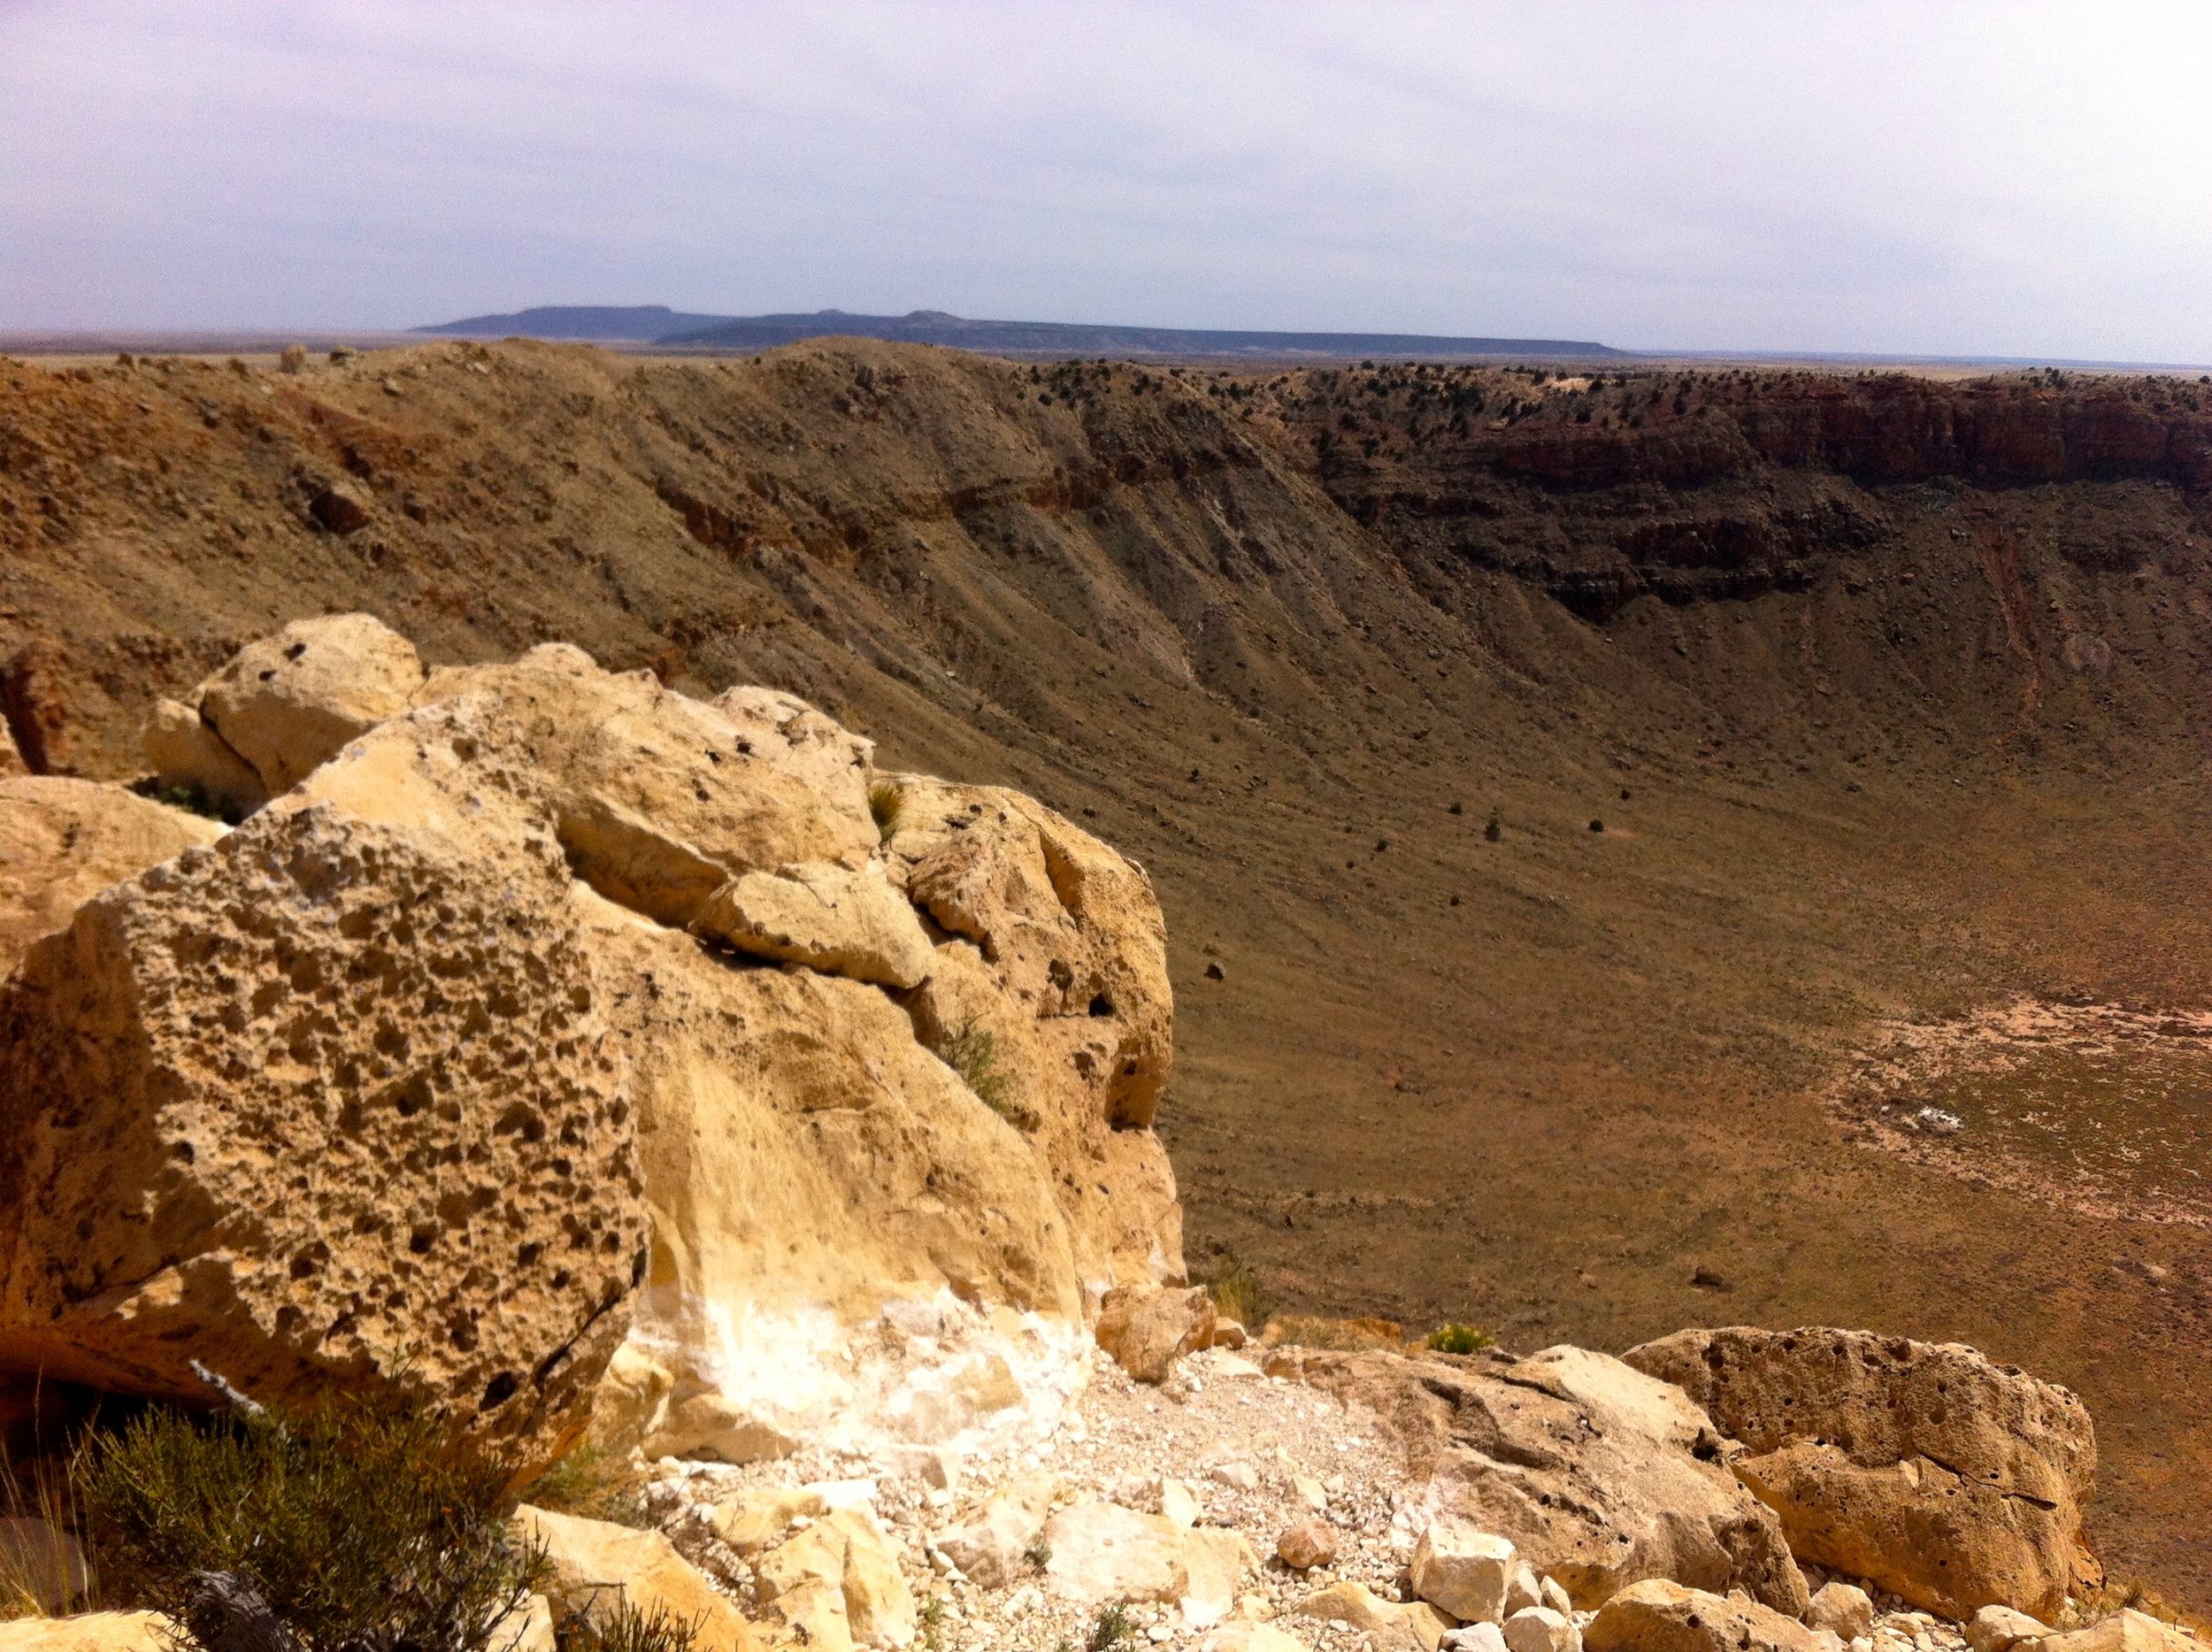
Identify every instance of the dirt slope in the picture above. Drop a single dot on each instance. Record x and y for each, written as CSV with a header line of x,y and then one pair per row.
x,y
1887,695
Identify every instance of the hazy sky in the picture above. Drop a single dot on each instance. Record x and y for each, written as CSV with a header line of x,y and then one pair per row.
x,y
2007,179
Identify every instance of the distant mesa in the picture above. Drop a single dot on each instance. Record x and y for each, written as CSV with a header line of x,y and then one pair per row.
x,y
656,324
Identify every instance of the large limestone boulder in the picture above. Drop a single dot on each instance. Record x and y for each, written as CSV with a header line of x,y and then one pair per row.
x,y
656,799
1657,1616
594,1567
1101,1552
811,1169
991,1550
2124,1630
1598,1475
288,703
322,1102
62,841
828,917
1927,1468
1147,1327
802,742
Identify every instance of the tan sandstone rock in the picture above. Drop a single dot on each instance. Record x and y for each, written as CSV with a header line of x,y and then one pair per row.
x,y
802,742
658,800
1925,1468
595,1566
847,1554
287,703
991,1550
1844,1609
62,841
1541,1629
1412,1626
1103,1552
629,1403
825,915
1243,1635
1998,1629
1305,1544
322,1101
1658,1616
2125,1631
1464,1570
1148,1328
527,1630
1597,1474
89,1631
184,750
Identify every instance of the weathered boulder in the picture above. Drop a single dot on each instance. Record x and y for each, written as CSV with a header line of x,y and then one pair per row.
x,y
1926,1468
2000,1629
825,916
529,1629
89,1631
1657,1616
1147,1328
767,1098
1410,1626
1101,1551
10,759
1244,1635
1463,1571
656,799
754,1520
1597,1474
594,1567
844,1569
1067,936
990,1550
629,1402
1541,1629
323,1101
288,703
1843,1608
341,507
1305,1544
184,751
2124,1630
62,841
800,742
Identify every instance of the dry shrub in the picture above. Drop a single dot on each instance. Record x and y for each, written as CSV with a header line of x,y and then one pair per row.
x,y
591,1483
1339,1335
359,1525
1237,1292
971,1051
887,802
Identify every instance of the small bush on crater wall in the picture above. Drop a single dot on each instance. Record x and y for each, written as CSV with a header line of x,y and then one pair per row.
x,y
1237,1292
887,802
1459,1339
358,1524
971,1051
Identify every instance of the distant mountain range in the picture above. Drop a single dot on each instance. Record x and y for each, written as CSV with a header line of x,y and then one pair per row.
x,y
656,324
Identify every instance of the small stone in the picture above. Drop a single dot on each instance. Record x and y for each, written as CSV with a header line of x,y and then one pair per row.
x,y
1215,972
1556,1596
1846,1611
1540,1629
1240,1476
1178,1502
1475,1637
1521,1591
1307,1544
1310,1492
1991,1629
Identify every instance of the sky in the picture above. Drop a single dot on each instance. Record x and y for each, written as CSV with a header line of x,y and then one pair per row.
x,y
2015,179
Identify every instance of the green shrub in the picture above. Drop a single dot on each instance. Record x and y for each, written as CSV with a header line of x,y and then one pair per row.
x,y
191,799
589,1483
359,1522
1459,1339
1113,1627
1237,1292
971,1051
